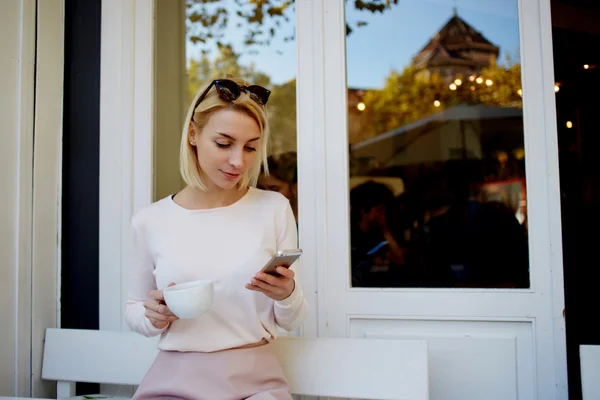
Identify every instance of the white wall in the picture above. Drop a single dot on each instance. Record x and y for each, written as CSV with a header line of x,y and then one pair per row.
x,y
17,30
29,176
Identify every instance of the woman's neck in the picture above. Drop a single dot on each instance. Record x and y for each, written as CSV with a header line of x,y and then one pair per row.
x,y
196,199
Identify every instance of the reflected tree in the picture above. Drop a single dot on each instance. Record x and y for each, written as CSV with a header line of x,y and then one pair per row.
x,y
282,103
261,20
225,63
408,96
282,118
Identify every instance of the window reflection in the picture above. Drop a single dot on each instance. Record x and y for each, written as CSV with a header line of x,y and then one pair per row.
x,y
221,39
282,177
437,172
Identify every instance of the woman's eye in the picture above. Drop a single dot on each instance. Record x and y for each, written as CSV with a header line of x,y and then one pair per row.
x,y
222,145
250,149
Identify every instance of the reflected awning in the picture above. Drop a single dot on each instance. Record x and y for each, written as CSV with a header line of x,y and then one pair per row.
x,y
464,131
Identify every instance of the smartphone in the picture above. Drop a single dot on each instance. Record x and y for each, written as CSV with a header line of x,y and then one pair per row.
x,y
284,258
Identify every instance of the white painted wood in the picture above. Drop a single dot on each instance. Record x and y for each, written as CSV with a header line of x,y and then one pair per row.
x,y
115,111
17,61
121,358
125,182
543,196
126,131
24,191
47,182
143,102
310,116
126,123
539,309
355,368
554,268
367,369
463,349
120,59
32,169
21,398
589,358
65,390
126,120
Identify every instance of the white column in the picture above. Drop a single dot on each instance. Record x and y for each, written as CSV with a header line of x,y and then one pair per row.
x,y
17,55
30,172
47,184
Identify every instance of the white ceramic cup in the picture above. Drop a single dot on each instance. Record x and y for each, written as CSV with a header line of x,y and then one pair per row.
x,y
190,299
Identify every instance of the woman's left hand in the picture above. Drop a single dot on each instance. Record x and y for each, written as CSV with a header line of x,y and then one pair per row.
x,y
276,287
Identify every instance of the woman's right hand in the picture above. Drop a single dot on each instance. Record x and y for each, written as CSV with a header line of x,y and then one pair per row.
x,y
157,311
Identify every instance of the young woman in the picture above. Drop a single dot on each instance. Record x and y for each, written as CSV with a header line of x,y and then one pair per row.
x,y
219,227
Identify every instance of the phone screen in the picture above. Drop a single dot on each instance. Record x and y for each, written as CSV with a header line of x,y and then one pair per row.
x,y
377,248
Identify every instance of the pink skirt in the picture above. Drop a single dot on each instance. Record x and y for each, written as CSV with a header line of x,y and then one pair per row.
x,y
246,373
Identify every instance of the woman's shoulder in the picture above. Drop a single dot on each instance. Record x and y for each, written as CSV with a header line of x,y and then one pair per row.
x,y
151,211
269,198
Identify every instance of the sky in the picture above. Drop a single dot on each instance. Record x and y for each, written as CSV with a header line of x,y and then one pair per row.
x,y
390,39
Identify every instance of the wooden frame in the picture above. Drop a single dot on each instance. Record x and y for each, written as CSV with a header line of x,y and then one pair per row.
x,y
126,165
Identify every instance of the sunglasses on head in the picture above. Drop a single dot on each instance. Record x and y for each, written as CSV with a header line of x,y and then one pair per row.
x,y
228,90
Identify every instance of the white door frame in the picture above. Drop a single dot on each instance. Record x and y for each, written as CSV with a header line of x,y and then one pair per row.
x,y
126,126
24,195
126,123
47,183
543,198
127,74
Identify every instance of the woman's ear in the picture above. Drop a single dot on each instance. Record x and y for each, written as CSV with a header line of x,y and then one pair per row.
x,y
192,134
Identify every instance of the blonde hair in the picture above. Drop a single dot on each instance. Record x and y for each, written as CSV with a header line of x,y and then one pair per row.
x,y
199,116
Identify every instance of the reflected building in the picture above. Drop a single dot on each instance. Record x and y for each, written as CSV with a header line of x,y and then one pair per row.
x,y
457,49
446,140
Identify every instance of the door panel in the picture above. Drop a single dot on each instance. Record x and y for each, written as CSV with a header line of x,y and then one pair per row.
x,y
516,333
469,359
501,339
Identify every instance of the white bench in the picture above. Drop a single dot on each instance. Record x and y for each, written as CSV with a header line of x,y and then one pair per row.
x,y
589,358
342,368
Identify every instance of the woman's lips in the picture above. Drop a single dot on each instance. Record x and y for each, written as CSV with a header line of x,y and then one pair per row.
x,y
230,175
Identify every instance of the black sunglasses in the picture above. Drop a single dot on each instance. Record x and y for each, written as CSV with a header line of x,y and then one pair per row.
x,y
228,90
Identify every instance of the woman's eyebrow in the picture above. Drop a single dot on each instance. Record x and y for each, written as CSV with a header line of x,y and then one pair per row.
x,y
233,139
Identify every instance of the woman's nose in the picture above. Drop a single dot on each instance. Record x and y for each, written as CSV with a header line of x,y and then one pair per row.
x,y
236,159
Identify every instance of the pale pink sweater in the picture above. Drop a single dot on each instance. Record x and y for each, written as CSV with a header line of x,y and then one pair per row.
x,y
228,245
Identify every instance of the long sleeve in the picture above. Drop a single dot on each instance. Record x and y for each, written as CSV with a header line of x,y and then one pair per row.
x,y
141,282
226,245
290,312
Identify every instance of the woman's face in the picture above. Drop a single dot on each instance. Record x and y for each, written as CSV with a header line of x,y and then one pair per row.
x,y
276,185
226,148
